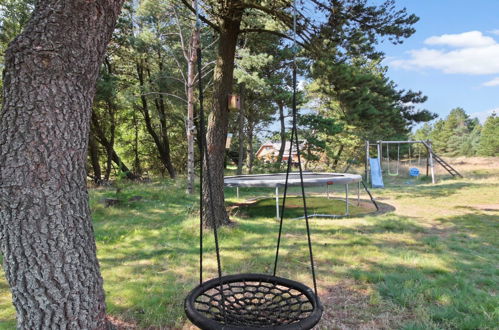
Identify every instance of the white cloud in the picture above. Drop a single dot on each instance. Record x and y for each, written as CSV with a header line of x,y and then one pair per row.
x,y
483,115
495,31
476,57
462,40
491,83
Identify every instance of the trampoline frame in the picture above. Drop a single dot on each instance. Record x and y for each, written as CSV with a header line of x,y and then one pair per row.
x,y
347,179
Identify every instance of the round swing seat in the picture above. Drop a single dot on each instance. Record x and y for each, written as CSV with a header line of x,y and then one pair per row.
x,y
253,301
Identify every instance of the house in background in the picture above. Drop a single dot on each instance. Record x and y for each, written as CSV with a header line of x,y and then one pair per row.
x,y
269,151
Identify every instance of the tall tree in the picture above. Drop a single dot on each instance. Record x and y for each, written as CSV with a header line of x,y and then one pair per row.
x,y
489,140
45,227
353,25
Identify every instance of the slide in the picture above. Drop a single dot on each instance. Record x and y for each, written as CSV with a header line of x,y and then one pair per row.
x,y
376,176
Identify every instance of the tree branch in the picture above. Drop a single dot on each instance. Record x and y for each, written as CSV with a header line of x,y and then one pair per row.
x,y
277,33
201,17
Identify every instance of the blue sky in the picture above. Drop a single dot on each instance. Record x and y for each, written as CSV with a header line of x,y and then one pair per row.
x,y
453,57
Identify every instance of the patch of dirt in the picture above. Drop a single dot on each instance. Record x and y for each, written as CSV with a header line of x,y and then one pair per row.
x,y
119,324
346,306
487,207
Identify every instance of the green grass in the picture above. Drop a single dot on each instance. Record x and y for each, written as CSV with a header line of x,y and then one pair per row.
x,y
432,263
266,208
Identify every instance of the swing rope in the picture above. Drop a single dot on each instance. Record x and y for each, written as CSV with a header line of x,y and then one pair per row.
x,y
205,161
294,136
251,301
388,160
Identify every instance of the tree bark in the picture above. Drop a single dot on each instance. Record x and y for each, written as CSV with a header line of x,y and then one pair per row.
x,y
219,116
46,234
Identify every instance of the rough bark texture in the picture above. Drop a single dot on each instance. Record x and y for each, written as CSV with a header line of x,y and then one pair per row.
x,y
219,116
46,234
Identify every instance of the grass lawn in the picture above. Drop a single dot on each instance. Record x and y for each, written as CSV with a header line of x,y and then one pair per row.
x,y
431,263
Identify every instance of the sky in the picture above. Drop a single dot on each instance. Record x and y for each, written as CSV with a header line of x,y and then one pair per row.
x,y
453,57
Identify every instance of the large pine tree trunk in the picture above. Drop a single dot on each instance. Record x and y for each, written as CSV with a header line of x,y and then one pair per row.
x,y
219,116
46,234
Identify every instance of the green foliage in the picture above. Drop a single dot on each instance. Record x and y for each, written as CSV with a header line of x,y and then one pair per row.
x,y
460,135
489,139
146,68
318,133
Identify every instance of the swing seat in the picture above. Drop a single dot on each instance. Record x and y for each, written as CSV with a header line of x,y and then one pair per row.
x,y
414,171
253,301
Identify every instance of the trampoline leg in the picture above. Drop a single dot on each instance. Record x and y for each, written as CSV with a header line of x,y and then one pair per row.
x,y
277,202
327,190
346,200
237,192
358,193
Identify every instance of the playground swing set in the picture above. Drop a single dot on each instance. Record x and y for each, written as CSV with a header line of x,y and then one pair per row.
x,y
374,167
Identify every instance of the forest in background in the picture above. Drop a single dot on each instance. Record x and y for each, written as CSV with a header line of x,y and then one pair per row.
x,y
460,135
145,114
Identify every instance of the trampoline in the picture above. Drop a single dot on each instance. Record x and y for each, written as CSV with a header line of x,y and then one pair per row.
x,y
310,179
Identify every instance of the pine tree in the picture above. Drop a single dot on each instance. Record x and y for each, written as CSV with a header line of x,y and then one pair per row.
x,y
489,139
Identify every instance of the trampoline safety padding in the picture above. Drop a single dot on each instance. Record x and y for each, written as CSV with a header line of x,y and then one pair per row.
x,y
310,179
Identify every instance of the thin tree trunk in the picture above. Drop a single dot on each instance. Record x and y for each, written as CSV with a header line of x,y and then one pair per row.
x,y
165,139
94,159
240,158
163,150
219,116
101,137
251,154
111,111
337,157
282,132
46,234
136,162
190,129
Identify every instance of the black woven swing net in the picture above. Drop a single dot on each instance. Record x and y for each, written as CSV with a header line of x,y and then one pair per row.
x,y
254,300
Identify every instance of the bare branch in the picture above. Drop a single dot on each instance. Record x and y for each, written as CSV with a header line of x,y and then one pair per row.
x,y
277,33
166,94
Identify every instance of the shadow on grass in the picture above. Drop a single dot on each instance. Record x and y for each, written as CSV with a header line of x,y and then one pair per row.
x,y
433,191
458,292
265,208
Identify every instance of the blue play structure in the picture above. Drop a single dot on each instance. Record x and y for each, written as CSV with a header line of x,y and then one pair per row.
x,y
376,176
414,171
